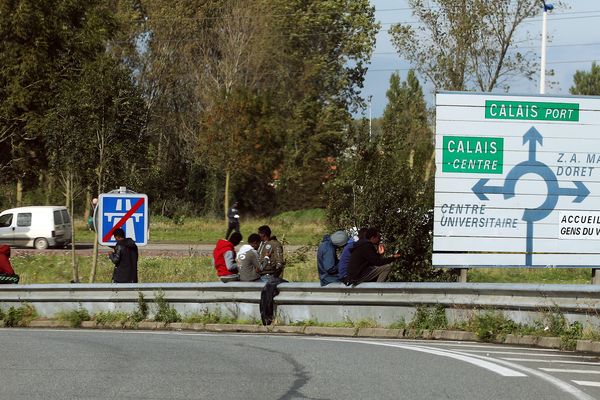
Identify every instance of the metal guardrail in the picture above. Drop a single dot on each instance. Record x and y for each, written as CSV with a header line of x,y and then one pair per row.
x,y
383,302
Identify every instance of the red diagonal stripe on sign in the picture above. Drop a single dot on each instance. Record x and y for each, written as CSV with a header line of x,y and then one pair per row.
x,y
119,224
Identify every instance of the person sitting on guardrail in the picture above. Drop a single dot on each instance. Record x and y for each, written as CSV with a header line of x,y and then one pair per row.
x,y
366,261
270,255
247,260
125,258
327,260
345,257
224,258
7,273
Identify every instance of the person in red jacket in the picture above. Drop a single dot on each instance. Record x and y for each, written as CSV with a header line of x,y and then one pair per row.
x,y
224,258
7,273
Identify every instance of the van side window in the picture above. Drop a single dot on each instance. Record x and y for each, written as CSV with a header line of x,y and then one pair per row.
x,y
6,220
24,219
65,216
57,218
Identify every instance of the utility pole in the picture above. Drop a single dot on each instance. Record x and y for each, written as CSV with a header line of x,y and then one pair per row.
x,y
547,7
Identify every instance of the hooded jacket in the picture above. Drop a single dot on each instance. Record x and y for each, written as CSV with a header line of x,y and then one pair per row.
x,y
362,256
224,258
247,262
327,262
125,258
5,266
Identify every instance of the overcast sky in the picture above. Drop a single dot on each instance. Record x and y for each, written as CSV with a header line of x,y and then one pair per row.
x,y
575,43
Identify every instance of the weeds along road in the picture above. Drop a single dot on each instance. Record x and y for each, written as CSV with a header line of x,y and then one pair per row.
x,y
86,364
152,249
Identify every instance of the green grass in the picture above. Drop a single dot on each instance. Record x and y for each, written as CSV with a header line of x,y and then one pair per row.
x,y
57,269
305,227
531,275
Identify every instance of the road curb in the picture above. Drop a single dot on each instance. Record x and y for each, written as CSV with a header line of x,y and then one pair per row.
x,y
588,346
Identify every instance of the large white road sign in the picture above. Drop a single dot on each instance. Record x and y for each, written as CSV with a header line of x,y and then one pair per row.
x,y
517,181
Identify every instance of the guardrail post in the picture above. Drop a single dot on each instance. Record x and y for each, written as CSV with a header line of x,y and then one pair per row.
x,y
462,277
595,276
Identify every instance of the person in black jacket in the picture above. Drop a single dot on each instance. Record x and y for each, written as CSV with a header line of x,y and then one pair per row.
x,y
233,217
125,258
366,261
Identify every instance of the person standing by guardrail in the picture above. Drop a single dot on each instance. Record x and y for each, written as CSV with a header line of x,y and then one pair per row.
x,y
7,273
366,261
125,258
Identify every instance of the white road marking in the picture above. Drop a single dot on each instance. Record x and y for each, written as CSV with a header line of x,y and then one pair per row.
x,y
483,345
570,371
562,385
530,354
550,361
587,383
490,366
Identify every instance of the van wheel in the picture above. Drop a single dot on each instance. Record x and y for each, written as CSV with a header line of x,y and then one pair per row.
x,y
40,244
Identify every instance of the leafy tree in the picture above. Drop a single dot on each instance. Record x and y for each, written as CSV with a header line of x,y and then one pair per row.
x,y
379,184
587,83
325,47
467,44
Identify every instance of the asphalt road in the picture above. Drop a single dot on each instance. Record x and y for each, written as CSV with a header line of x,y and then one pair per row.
x,y
80,364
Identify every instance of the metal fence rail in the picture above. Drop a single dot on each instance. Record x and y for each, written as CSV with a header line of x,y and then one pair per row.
x,y
384,303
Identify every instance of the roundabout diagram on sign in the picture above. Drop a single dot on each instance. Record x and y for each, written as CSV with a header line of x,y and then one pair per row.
x,y
532,166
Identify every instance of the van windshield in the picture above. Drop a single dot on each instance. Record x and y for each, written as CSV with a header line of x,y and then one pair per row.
x,y
57,218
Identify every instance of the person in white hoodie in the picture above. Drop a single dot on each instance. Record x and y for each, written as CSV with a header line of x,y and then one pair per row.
x,y
247,260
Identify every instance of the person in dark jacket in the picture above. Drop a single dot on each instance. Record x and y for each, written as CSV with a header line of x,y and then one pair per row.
x,y
345,257
7,273
366,261
125,258
233,217
327,260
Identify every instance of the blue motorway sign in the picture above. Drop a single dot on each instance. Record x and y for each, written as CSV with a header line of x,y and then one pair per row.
x,y
128,211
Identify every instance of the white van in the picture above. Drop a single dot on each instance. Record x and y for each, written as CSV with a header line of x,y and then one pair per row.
x,y
36,226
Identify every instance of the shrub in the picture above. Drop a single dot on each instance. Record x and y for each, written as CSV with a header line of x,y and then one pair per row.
x,y
109,318
489,324
20,316
165,313
74,317
142,309
428,318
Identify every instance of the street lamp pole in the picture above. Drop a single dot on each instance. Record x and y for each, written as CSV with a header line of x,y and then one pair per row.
x,y
547,7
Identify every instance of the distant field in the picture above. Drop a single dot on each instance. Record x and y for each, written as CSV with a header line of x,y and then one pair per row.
x,y
300,228
294,227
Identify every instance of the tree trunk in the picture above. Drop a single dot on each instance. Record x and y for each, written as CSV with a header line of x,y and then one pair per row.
x,y
71,190
429,167
100,170
226,195
88,201
19,192
49,188
94,259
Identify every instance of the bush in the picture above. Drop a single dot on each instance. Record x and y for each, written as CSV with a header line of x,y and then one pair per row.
x,y
20,316
165,313
489,324
74,317
142,309
109,318
429,318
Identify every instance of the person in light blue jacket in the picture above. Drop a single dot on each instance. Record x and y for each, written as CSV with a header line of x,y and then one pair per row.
x,y
327,260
